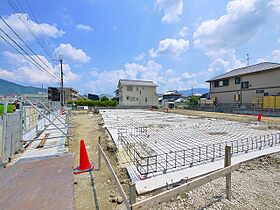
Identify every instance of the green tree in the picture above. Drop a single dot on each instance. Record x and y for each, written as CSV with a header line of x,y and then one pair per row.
x,y
105,98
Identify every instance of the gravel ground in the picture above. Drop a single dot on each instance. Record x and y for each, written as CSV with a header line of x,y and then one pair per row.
x,y
256,185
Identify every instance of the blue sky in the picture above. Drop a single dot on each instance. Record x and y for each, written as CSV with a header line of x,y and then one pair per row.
x,y
176,43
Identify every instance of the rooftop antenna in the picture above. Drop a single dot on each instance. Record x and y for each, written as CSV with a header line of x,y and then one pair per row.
x,y
248,59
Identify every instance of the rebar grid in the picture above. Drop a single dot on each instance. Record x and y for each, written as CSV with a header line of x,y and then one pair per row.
x,y
149,161
158,142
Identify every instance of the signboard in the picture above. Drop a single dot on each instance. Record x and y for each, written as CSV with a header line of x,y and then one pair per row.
x,y
259,91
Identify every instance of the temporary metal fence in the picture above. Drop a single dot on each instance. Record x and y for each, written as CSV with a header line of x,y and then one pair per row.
x,y
149,161
13,129
232,108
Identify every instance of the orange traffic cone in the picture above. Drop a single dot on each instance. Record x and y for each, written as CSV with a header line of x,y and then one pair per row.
x,y
259,117
85,165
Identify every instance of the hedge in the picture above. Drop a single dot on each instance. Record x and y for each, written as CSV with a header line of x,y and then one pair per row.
x,y
10,108
89,102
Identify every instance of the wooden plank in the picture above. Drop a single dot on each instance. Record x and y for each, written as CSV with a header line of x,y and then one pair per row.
x,y
117,182
99,155
43,141
228,176
167,195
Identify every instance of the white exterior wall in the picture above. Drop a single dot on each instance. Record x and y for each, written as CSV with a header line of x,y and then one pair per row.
x,y
139,96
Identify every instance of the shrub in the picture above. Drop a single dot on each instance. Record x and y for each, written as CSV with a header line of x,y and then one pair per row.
x,y
10,108
90,103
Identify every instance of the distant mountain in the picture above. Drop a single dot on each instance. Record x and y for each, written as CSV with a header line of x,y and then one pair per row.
x,y
7,88
195,90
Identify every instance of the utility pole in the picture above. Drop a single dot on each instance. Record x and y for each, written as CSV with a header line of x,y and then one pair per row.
x,y
61,82
248,59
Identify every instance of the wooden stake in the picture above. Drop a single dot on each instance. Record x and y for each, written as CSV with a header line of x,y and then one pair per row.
x,y
228,176
132,193
99,153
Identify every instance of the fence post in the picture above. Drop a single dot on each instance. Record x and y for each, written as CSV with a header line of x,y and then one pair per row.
x,y
4,132
98,153
132,193
228,176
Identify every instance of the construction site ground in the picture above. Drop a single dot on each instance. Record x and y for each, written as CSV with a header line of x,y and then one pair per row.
x,y
255,186
105,195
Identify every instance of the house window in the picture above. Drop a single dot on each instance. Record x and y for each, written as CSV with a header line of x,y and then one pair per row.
x,y
237,80
137,89
221,83
136,99
140,92
129,88
244,85
127,98
216,84
225,82
146,100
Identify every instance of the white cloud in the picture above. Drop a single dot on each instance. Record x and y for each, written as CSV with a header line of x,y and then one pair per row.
x,y
170,47
172,9
275,4
241,22
15,21
84,27
139,57
183,32
72,53
223,60
22,70
275,54
151,70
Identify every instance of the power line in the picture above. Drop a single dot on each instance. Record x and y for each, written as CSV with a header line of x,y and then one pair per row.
x,y
40,66
24,43
28,59
28,25
36,20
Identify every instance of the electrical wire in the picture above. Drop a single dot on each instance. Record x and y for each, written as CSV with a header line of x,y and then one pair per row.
x,y
37,64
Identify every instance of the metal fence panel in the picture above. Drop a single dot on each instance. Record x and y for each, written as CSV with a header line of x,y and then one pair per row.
x,y
11,134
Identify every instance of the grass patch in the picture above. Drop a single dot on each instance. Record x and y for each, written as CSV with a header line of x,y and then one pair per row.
x,y
10,108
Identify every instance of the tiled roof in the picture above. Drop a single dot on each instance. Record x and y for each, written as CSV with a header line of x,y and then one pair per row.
x,y
137,82
247,70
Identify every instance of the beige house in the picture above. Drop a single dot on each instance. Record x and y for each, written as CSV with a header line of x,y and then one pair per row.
x,y
70,94
241,86
137,93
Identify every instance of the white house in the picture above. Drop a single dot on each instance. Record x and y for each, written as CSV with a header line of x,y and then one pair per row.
x,y
137,93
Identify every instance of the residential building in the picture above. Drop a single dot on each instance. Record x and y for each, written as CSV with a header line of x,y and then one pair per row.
x,y
70,94
137,93
242,85
169,98
93,97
